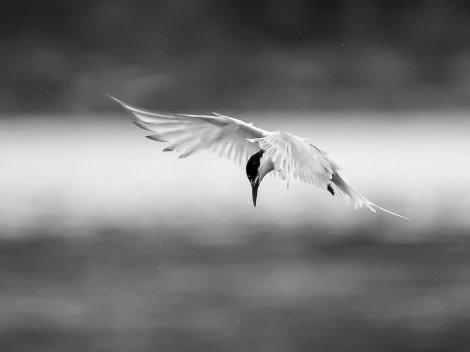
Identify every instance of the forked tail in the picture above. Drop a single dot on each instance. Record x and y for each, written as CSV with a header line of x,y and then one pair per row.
x,y
342,188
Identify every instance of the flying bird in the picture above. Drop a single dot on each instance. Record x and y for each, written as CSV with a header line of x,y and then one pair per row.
x,y
282,153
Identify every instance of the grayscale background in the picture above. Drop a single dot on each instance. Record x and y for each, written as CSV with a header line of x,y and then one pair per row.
x,y
108,244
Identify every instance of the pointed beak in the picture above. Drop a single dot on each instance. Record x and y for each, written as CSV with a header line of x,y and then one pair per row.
x,y
254,190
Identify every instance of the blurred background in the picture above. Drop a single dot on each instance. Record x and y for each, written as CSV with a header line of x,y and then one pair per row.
x,y
107,244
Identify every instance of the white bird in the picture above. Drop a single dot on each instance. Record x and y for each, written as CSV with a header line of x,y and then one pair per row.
x,y
282,153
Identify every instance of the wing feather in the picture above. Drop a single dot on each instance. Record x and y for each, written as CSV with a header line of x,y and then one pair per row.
x,y
189,133
295,158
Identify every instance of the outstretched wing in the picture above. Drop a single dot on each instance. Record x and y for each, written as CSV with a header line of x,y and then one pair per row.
x,y
189,134
295,158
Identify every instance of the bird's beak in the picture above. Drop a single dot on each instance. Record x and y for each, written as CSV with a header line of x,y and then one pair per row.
x,y
254,190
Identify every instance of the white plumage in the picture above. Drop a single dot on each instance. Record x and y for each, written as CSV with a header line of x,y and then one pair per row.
x,y
290,157
188,134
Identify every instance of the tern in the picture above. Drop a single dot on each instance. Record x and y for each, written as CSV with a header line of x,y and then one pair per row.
x,y
282,153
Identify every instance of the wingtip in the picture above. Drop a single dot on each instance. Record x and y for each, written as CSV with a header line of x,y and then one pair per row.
x,y
403,217
116,100
390,212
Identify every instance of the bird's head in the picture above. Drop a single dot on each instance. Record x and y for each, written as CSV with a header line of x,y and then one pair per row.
x,y
256,168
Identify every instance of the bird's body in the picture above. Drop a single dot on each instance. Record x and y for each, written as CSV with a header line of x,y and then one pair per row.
x,y
282,153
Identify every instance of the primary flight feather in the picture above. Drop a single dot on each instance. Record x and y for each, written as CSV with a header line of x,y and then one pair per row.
x,y
289,156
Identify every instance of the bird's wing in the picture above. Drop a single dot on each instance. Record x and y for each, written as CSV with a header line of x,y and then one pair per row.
x,y
295,158
189,134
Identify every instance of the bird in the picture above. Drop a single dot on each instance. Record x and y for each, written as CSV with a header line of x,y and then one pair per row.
x,y
281,153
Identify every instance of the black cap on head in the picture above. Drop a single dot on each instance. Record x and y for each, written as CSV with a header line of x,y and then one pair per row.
x,y
253,164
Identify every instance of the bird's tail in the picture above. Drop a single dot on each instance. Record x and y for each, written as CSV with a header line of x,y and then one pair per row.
x,y
347,192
